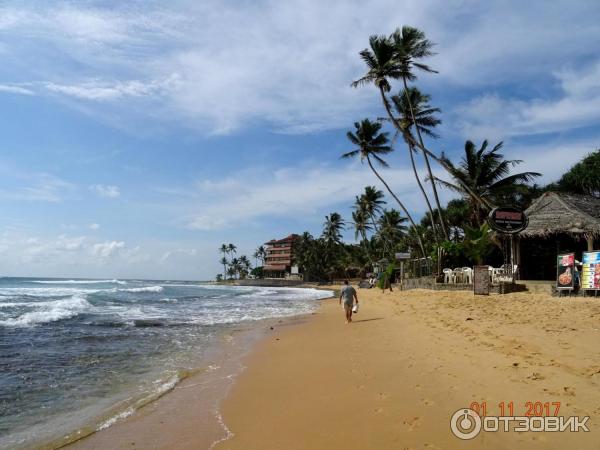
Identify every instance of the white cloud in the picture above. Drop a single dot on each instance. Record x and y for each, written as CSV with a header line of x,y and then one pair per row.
x,y
218,66
34,187
495,117
104,91
105,191
94,226
107,249
294,192
11,89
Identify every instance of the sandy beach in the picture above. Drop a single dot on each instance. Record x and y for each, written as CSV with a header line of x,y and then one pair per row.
x,y
393,378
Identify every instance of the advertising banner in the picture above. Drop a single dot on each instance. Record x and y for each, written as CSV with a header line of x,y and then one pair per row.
x,y
590,274
565,271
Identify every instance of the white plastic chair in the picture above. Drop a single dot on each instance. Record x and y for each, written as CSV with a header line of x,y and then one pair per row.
x,y
467,275
448,276
458,275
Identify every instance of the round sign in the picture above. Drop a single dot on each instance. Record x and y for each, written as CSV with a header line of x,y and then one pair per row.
x,y
507,220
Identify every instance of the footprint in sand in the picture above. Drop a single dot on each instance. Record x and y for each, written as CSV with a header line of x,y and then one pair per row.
x,y
569,391
411,424
382,396
418,387
379,410
427,402
432,446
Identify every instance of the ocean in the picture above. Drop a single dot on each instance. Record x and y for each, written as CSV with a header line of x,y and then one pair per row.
x,y
78,355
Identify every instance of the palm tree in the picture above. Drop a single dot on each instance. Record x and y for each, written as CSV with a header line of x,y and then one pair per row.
x,y
486,173
231,249
332,228
391,229
412,46
224,250
244,266
361,227
425,121
260,254
371,144
224,262
372,201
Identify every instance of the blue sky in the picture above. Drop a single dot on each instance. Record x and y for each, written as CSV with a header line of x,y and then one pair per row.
x,y
139,136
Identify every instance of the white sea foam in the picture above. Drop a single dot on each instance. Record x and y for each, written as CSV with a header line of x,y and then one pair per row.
x,y
49,311
79,281
144,289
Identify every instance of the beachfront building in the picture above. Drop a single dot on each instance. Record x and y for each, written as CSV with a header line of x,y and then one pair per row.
x,y
279,262
558,223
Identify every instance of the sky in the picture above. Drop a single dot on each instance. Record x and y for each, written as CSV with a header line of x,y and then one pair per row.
x,y
137,137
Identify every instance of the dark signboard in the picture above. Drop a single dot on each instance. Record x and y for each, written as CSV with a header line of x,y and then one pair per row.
x,y
481,280
507,220
565,271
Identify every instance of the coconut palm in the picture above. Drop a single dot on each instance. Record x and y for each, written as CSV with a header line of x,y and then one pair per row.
x,y
391,229
260,254
372,201
486,173
372,144
224,262
224,250
412,46
425,121
332,228
360,220
231,249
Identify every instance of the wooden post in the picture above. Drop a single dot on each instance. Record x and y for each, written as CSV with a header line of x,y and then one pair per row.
x,y
590,242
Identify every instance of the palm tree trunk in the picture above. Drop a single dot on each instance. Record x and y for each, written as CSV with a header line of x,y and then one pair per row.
x,y
399,203
399,128
431,215
430,173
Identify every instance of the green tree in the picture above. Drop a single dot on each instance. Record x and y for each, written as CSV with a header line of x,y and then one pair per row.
x,y
224,250
260,254
414,111
373,144
411,47
391,230
583,177
332,228
224,262
487,174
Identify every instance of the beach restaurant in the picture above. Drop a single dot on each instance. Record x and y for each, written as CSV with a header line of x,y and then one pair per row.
x,y
558,223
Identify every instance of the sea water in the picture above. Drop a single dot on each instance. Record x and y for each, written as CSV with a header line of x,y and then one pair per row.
x,y
82,354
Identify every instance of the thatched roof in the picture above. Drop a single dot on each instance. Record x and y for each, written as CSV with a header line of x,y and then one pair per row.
x,y
559,213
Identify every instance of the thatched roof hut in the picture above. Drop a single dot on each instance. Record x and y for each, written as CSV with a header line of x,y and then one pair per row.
x,y
558,223
558,213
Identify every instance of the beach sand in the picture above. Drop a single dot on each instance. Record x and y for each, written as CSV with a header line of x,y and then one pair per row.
x,y
393,378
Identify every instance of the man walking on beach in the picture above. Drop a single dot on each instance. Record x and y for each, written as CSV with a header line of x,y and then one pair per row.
x,y
348,294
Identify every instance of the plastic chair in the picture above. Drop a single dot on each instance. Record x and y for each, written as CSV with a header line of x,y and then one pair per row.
x,y
448,276
468,275
458,275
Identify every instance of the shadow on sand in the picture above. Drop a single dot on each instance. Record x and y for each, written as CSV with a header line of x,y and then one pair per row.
x,y
367,320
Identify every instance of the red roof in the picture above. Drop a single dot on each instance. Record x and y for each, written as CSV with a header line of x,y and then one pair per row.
x,y
290,238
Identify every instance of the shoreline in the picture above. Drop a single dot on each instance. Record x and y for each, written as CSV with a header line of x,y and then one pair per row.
x,y
213,380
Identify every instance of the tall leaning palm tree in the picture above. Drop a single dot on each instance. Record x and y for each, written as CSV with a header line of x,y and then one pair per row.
x,y
411,47
372,143
487,174
424,121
